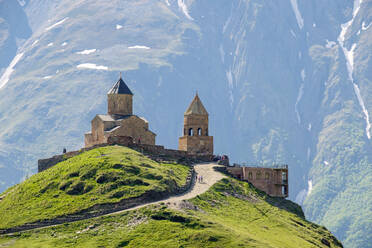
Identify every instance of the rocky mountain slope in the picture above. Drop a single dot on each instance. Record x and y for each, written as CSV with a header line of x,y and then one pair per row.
x,y
229,214
283,81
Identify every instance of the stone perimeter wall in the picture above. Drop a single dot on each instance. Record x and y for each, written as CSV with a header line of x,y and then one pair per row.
x,y
43,164
157,153
107,208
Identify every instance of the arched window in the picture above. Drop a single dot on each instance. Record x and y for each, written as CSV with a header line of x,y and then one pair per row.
x,y
284,190
206,132
258,175
267,176
284,177
191,132
250,175
184,131
199,131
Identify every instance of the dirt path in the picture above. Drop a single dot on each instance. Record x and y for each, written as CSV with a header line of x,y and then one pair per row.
x,y
210,177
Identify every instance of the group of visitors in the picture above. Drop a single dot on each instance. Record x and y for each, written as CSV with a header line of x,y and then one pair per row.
x,y
200,179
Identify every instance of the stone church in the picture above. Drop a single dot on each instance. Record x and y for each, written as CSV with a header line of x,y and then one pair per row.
x,y
119,120
195,139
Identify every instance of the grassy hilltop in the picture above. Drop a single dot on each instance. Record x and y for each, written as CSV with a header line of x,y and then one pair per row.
x,y
102,175
230,214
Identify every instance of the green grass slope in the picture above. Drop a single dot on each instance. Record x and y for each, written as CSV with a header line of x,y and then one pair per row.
x,y
230,214
102,175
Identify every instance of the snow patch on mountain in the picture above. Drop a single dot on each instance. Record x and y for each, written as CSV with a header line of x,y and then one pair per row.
x,y
118,26
299,96
226,24
229,77
64,44
87,51
47,77
167,2
364,27
34,43
310,187
92,66
349,55
300,20
222,53
50,44
330,44
303,75
366,114
56,24
9,70
183,7
139,47
22,2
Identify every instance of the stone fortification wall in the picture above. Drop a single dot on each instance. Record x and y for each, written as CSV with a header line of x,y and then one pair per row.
x,y
157,153
273,181
43,164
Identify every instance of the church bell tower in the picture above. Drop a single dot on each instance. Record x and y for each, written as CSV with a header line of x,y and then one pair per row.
x,y
196,139
120,99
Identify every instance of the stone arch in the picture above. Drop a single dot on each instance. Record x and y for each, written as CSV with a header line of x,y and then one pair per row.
x,y
199,131
258,175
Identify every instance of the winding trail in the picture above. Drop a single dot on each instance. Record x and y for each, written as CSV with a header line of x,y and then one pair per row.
x,y
210,177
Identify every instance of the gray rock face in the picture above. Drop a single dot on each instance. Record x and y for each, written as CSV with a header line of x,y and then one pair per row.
x,y
283,81
14,29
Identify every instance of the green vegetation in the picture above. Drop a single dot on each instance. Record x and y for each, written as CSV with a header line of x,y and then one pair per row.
x,y
103,175
230,214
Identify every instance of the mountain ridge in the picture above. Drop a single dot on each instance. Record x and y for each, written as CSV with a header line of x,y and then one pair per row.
x,y
275,71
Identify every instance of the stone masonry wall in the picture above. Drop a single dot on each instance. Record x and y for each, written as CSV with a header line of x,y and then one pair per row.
x,y
157,153
120,104
136,128
268,180
43,164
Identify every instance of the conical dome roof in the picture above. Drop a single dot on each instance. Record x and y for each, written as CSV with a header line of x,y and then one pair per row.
x,y
120,88
196,107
